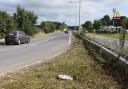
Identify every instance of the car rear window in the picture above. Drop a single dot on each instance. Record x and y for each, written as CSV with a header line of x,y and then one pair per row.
x,y
11,33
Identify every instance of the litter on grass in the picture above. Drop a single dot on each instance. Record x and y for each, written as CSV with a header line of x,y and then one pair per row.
x,y
65,77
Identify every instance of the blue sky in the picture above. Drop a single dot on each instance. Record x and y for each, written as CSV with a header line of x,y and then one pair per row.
x,y
64,11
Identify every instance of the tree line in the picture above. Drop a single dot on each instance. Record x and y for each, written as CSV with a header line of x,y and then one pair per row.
x,y
51,26
21,20
25,20
105,21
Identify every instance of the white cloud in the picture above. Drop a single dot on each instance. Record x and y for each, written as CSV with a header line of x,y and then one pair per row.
x,y
63,10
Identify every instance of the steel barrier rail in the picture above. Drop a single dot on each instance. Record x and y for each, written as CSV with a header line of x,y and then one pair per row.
x,y
105,49
115,55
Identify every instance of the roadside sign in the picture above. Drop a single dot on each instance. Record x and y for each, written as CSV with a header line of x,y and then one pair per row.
x,y
116,15
116,18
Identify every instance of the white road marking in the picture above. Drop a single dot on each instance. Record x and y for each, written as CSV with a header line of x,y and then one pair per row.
x,y
70,38
34,44
50,38
38,62
2,74
26,66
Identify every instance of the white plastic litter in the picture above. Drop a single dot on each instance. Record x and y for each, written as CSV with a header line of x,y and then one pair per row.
x,y
65,77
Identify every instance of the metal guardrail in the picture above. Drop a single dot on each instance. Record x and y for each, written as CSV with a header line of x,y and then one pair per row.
x,y
109,52
106,50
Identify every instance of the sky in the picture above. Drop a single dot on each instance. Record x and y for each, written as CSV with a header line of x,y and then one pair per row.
x,y
64,10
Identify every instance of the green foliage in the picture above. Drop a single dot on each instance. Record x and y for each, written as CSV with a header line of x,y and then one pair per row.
x,y
123,21
49,26
6,23
22,20
97,24
106,20
63,25
88,25
126,24
25,20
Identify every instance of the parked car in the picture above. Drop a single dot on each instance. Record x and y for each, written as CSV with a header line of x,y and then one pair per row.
x,y
16,37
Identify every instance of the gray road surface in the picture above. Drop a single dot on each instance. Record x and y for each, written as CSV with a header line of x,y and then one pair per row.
x,y
13,57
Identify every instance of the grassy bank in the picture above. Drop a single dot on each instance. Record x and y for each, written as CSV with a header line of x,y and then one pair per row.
x,y
114,35
87,73
41,33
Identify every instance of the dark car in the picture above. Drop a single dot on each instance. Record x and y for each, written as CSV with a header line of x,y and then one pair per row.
x,y
66,31
16,37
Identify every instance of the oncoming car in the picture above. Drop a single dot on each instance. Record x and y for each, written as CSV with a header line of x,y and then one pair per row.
x,y
16,37
66,31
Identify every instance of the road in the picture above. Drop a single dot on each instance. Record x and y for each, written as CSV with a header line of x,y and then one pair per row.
x,y
13,57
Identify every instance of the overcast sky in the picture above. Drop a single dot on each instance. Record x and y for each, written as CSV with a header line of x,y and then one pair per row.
x,y
64,10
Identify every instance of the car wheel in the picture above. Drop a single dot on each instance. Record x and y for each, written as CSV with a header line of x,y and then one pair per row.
x,y
28,40
19,42
6,43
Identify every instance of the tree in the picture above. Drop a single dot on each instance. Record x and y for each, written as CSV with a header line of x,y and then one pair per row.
x,y
47,26
105,20
7,23
126,24
26,20
97,24
123,21
88,25
62,26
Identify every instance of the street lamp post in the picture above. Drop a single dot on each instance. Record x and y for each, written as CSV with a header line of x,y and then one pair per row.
x,y
75,16
79,14
75,13
79,2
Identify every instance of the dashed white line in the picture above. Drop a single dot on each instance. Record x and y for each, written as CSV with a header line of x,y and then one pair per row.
x,y
70,38
26,66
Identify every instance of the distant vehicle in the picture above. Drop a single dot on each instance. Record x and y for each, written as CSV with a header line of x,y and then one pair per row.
x,y
66,31
16,37
126,31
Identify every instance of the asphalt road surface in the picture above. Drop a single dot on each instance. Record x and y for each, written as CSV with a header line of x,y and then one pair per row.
x,y
13,57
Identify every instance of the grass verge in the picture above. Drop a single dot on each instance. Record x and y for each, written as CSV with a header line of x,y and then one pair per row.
x,y
114,35
87,73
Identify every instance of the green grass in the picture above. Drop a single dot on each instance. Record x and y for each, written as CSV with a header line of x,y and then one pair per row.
x,y
114,35
87,73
